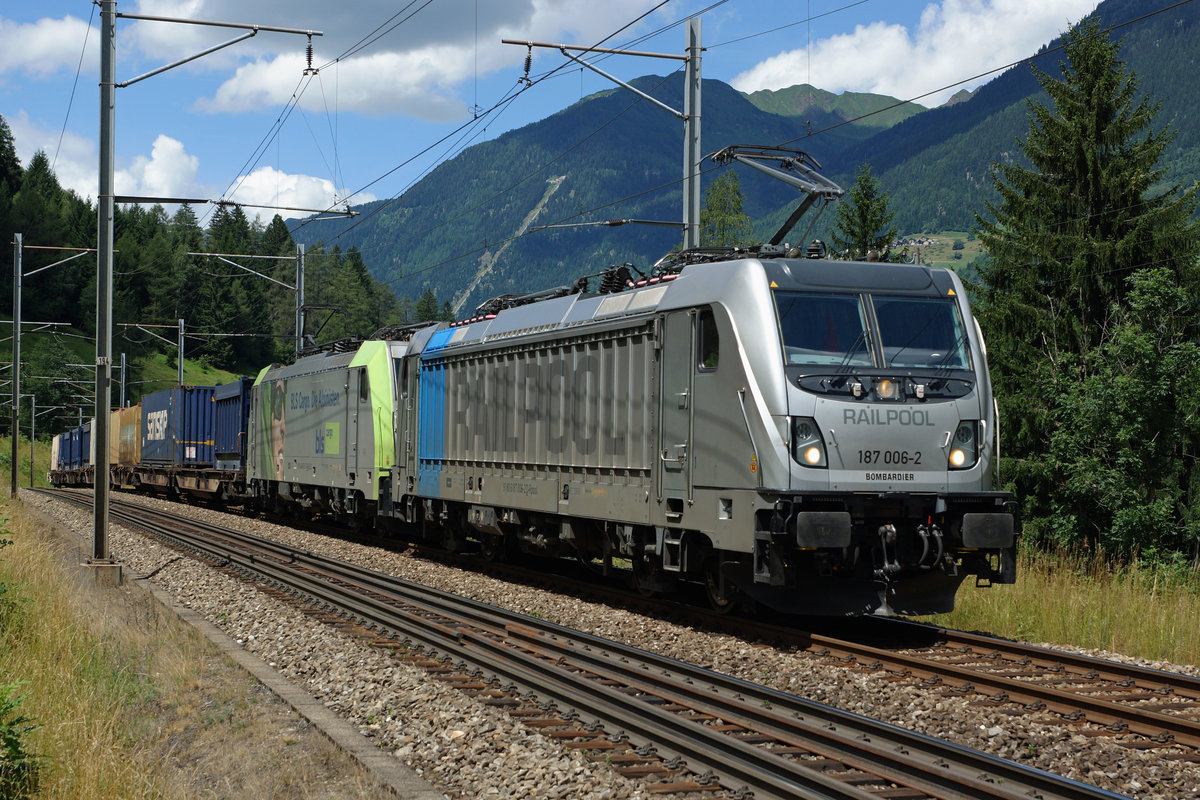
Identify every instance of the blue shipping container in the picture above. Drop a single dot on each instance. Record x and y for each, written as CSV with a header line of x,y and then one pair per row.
x,y
232,412
177,427
85,445
70,456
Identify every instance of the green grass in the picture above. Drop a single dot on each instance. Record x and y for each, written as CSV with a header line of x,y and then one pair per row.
x,y
1085,600
41,461
941,254
159,372
115,698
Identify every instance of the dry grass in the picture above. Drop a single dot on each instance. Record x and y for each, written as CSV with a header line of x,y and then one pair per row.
x,y
79,672
132,703
1082,599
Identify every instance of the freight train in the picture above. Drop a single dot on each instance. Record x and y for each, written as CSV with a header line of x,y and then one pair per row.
x,y
817,436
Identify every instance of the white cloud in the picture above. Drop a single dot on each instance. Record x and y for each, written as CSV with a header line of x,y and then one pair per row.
x,y
74,162
44,47
380,83
955,38
411,63
169,171
270,187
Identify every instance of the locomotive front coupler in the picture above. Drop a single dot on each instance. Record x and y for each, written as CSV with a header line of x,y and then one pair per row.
x,y
891,559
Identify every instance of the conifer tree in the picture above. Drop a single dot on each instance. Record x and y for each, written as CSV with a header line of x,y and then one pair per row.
x,y
1073,226
864,219
427,309
276,240
723,223
10,165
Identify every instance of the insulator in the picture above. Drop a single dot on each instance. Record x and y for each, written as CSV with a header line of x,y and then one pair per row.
x,y
615,279
309,53
528,63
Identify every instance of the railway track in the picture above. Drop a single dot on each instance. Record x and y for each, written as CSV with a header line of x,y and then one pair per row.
x,y
1078,691
1163,707
693,729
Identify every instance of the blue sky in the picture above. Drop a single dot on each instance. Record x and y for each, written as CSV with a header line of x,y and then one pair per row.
x,y
396,78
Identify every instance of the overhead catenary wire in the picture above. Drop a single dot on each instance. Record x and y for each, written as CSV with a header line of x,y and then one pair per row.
x,y
71,100
509,97
293,102
302,86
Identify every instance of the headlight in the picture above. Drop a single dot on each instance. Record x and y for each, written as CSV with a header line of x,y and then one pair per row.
x,y
964,448
808,446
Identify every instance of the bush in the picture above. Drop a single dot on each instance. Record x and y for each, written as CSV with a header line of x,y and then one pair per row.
x,y
18,767
10,604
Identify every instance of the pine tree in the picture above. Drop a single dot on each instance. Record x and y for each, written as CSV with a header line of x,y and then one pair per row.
x,y
427,309
863,227
1072,228
10,165
723,223
276,240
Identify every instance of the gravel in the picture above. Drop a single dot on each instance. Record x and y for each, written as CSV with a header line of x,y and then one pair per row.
x,y
469,750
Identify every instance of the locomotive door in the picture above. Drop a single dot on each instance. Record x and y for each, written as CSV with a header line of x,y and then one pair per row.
x,y
676,406
360,430
404,430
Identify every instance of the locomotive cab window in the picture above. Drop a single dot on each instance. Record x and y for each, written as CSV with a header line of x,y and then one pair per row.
x,y
708,344
823,329
364,386
921,332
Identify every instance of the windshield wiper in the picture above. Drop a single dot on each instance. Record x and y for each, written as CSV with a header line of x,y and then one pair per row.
x,y
952,352
850,351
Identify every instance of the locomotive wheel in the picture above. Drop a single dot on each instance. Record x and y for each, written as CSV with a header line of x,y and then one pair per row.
x,y
723,597
589,562
644,577
493,548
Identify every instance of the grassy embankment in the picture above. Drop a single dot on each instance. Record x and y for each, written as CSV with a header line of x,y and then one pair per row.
x,y
79,676
121,700
1084,600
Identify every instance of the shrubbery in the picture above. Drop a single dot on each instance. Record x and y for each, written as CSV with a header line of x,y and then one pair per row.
x,y
18,766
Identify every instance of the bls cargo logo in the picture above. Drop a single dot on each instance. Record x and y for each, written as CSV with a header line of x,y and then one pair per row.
x,y
326,442
156,426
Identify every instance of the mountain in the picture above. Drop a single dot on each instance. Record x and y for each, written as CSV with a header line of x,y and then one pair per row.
x,y
822,109
612,156
961,96
453,231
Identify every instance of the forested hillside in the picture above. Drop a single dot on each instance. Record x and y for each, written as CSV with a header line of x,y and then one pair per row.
x,y
444,233
938,163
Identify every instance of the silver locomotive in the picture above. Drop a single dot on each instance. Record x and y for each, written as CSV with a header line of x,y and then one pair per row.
x,y
816,435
